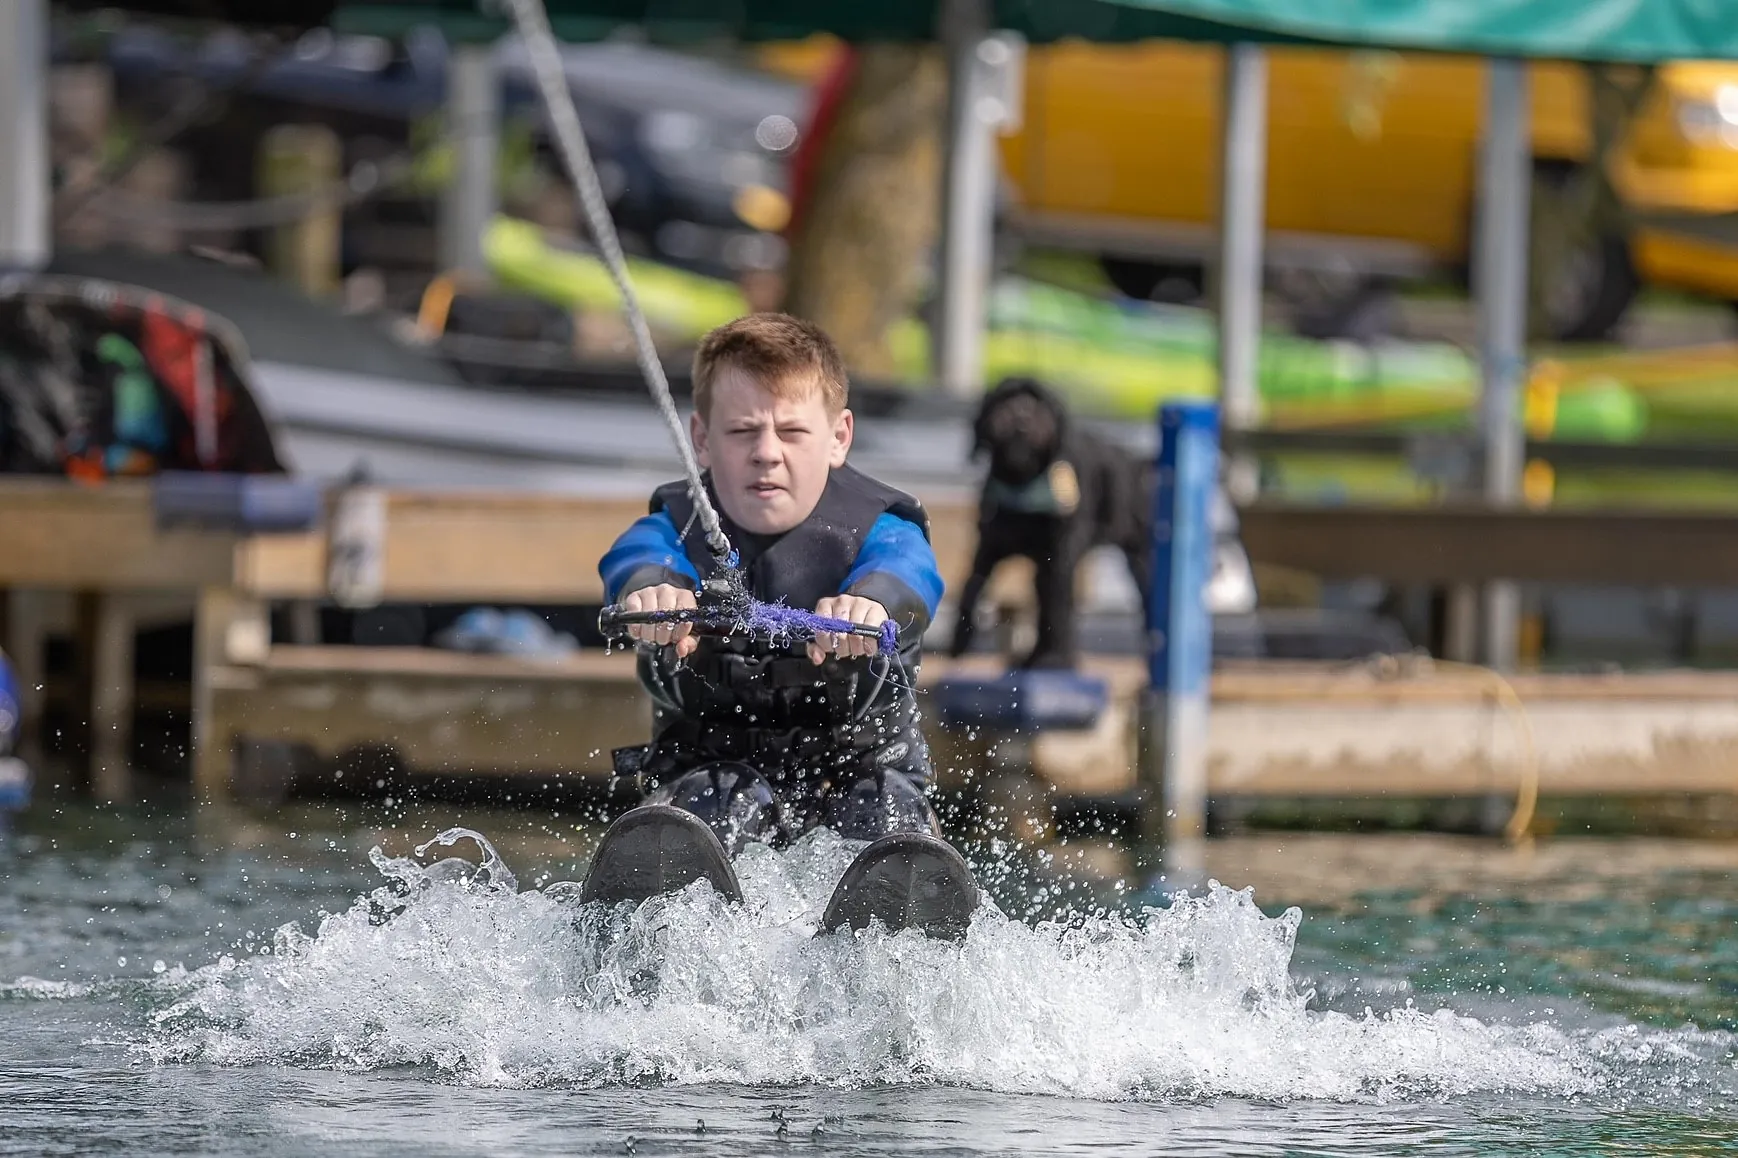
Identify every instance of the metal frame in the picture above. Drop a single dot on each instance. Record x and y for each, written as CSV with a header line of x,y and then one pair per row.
x,y
25,235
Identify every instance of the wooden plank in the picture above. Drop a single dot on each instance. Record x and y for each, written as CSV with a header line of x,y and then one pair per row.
x,y
58,534
518,723
526,548
434,663
1268,681
440,547
545,548
1467,543
227,626
1254,682
1697,455
1124,674
105,630
1441,748
1286,730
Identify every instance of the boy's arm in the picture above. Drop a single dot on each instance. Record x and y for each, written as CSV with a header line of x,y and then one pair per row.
x,y
896,568
645,555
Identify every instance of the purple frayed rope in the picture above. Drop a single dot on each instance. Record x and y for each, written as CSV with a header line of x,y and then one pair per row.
x,y
782,619
773,620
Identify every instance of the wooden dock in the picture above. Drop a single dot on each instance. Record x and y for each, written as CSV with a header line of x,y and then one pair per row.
x,y
103,546
1276,730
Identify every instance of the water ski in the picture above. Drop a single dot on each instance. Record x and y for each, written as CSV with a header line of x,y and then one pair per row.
x,y
656,849
906,880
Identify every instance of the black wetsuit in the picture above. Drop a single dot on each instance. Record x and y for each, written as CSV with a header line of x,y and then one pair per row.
x,y
766,746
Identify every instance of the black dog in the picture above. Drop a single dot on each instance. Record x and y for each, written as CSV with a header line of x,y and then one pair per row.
x,y
1053,493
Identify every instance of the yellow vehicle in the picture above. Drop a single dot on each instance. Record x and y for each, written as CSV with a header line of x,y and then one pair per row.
x,y
1372,172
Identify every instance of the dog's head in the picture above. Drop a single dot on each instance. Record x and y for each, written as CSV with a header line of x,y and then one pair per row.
x,y
1020,425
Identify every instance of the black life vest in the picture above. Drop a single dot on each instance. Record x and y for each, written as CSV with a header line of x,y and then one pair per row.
x,y
725,686
811,560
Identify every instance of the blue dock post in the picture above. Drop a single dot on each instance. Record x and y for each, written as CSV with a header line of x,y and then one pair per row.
x,y
1179,636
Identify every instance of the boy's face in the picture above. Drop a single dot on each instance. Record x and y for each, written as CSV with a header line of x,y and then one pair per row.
x,y
769,456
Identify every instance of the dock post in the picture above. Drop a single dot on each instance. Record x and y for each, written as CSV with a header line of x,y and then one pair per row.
x,y
473,127
986,72
26,237
106,638
296,159
1505,173
1239,267
229,627
1179,639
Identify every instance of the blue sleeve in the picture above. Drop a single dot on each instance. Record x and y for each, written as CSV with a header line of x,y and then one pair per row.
x,y
646,554
896,567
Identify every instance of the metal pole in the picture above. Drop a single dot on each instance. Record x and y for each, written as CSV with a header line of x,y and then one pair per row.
x,y
474,131
1180,637
984,98
25,237
1242,190
1505,189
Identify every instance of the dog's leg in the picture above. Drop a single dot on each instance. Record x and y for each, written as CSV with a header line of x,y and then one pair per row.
x,y
1136,537
1137,550
965,625
992,549
1055,646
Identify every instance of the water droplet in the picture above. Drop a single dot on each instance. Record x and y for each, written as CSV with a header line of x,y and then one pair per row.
x,y
164,892
158,966
120,961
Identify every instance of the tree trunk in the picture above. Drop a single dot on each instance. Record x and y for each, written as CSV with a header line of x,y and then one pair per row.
x,y
873,208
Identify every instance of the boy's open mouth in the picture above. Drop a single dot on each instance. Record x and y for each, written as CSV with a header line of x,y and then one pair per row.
x,y
764,490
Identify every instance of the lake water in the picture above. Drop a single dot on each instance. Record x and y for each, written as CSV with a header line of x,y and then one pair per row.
x,y
232,984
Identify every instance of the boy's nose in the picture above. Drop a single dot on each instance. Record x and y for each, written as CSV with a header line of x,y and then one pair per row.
x,y
766,447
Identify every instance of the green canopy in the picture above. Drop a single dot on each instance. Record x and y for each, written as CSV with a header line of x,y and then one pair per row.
x,y
1618,30
1641,31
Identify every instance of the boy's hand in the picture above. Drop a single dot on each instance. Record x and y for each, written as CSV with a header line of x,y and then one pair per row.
x,y
663,597
856,609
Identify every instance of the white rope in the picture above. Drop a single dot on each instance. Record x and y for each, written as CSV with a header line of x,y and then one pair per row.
x,y
545,57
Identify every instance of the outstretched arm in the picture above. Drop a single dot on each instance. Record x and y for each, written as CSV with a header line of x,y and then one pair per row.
x,y
897,569
647,570
647,554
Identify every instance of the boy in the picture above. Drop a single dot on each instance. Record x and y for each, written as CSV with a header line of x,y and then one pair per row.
x,y
766,746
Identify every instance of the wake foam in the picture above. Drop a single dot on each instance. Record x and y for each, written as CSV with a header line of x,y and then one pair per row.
x,y
452,967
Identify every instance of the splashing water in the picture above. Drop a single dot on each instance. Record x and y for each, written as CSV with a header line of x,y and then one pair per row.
x,y
450,966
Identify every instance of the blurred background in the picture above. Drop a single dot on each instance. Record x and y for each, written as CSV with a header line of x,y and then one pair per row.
x,y
1403,333
364,202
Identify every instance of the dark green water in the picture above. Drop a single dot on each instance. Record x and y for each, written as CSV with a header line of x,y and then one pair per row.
x,y
1430,997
